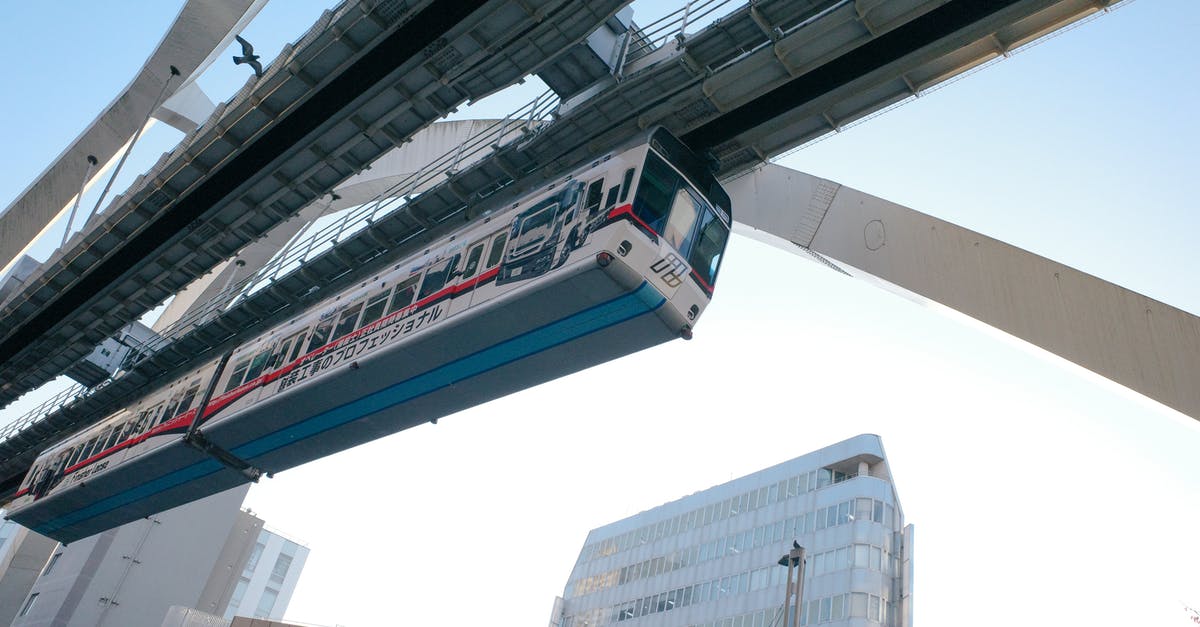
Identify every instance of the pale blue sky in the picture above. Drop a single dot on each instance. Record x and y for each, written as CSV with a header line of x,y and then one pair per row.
x,y
1040,494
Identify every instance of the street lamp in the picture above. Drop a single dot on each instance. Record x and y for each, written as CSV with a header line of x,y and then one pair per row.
x,y
794,591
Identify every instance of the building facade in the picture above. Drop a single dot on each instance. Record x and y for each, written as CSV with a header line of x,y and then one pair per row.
x,y
194,556
23,553
269,577
711,559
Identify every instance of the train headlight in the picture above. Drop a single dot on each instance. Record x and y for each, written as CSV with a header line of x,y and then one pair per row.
x,y
603,259
624,248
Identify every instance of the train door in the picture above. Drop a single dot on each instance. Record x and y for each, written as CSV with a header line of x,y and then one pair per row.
x,y
469,276
288,350
493,254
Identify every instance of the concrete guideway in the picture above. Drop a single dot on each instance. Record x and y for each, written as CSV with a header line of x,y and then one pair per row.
x,y
201,335
361,81
1145,345
681,86
859,59
200,30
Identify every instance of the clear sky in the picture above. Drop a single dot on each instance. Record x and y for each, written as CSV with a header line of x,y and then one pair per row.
x,y
1041,494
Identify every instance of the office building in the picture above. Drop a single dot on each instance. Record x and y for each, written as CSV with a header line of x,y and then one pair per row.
x,y
202,555
268,578
22,556
711,559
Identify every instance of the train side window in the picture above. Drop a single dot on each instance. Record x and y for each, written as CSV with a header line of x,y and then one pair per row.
x,y
152,417
186,402
611,200
114,436
281,352
172,406
594,194
320,335
74,456
403,296
86,452
473,257
239,372
296,347
346,320
435,278
626,184
258,364
80,454
144,422
131,426
497,251
375,306
100,439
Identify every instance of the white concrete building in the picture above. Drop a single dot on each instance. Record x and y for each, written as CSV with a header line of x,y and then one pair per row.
x,y
22,556
195,556
267,581
711,559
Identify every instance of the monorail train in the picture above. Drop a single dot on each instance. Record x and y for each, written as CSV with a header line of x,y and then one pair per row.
x,y
618,256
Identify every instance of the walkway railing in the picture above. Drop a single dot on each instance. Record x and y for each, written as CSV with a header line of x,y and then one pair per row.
x,y
47,407
527,121
674,24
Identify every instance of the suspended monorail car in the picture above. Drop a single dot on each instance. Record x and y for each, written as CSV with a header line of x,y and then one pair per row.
x,y
618,256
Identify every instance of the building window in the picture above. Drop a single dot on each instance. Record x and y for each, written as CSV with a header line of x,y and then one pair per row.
x,y
28,604
239,591
255,555
266,603
279,572
51,563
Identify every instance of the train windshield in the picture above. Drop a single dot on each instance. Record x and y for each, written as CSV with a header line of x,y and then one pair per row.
x,y
669,204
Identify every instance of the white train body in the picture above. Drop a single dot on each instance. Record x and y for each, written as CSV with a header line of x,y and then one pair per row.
x,y
617,257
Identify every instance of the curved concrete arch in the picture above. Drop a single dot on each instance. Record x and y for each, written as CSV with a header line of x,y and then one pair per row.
x,y
193,41
1145,345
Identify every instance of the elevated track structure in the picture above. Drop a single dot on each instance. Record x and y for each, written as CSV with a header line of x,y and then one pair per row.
x,y
765,78
363,79
199,31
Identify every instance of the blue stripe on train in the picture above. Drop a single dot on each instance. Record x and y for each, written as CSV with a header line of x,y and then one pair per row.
x,y
643,300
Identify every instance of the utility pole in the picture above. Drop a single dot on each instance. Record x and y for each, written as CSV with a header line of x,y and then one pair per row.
x,y
793,594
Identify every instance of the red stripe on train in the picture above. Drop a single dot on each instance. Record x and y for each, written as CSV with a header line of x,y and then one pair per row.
x,y
184,420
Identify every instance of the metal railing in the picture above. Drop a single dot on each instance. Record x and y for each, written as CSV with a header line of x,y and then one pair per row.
x,y
674,25
47,407
525,121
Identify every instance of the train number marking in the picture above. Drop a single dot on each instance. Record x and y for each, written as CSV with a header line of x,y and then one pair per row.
x,y
671,269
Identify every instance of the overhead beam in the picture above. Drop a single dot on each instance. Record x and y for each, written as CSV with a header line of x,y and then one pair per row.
x,y
1136,341
198,31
